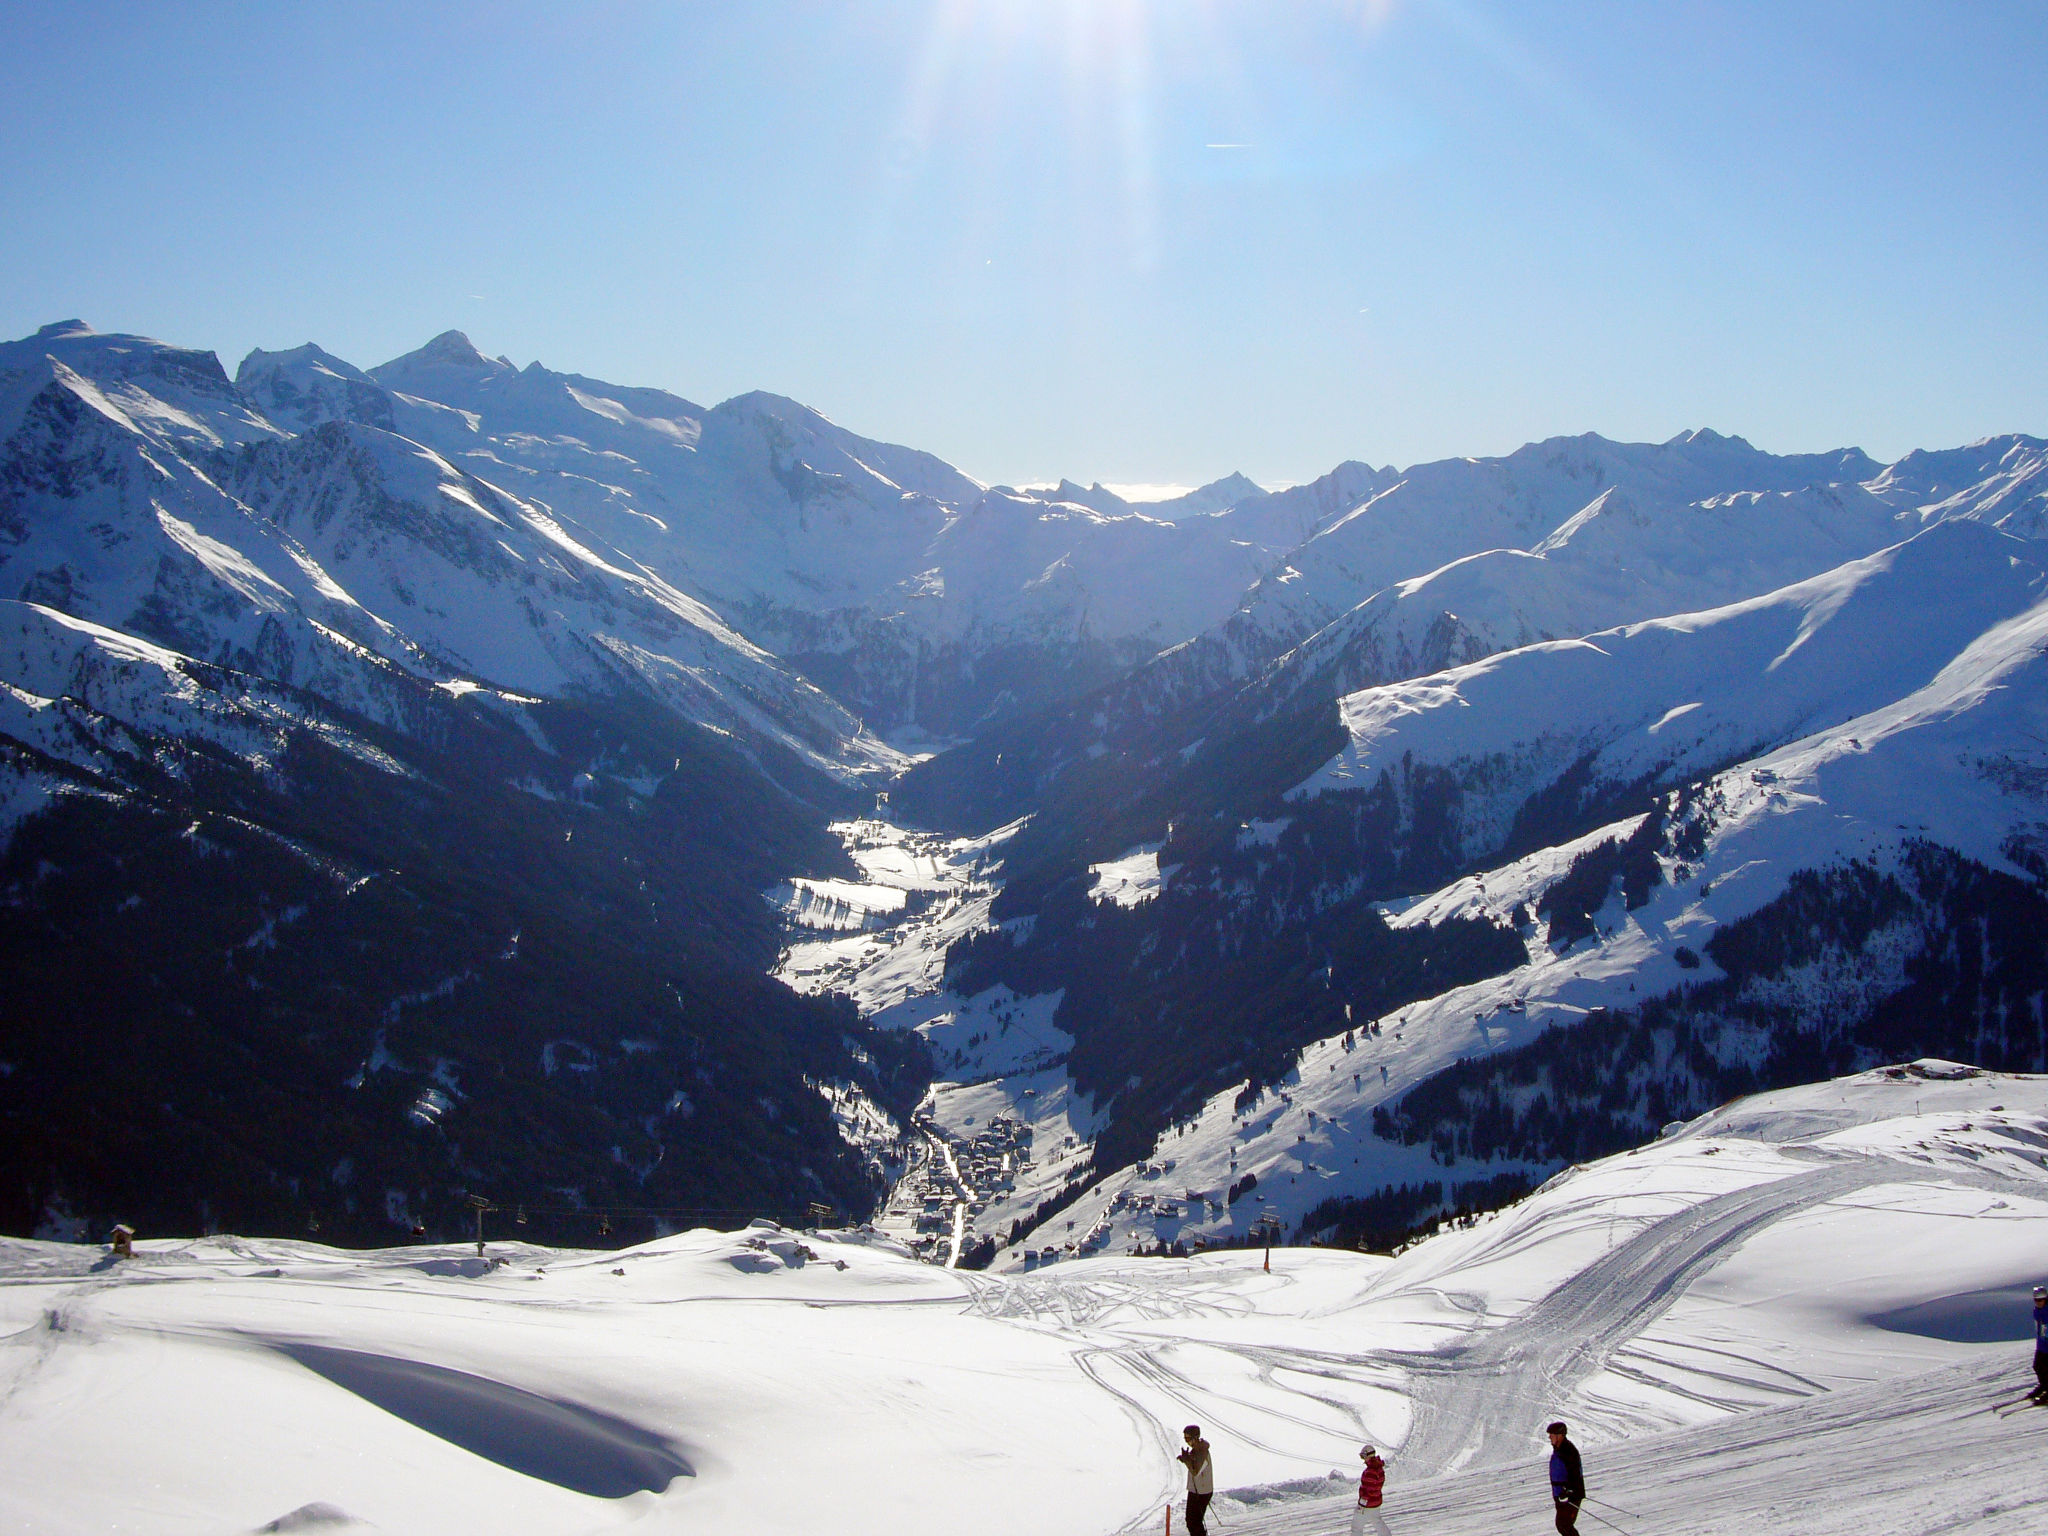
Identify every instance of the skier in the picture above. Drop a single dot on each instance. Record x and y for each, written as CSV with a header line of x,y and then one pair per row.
x,y
1567,1478
1201,1478
2040,1393
1367,1520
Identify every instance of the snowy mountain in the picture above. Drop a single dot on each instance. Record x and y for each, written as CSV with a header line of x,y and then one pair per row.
x,y
1792,909
1627,556
1439,512
2000,480
1609,563
1195,729
917,596
280,962
337,782
147,493
1504,747
1436,514
1529,908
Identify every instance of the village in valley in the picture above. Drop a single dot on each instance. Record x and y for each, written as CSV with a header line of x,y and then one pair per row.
x,y
956,1201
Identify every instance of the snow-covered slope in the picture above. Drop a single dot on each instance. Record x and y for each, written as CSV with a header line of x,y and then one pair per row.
x,y
147,494
1723,1307
1623,558
759,495
105,518
178,397
1451,562
1669,699
1612,562
1833,772
310,746
1637,550
101,701
883,569
1441,512
250,925
1999,480
1015,561
1863,761
1217,496
495,588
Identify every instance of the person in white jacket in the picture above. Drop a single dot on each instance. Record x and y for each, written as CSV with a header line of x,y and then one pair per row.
x,y
1201,1479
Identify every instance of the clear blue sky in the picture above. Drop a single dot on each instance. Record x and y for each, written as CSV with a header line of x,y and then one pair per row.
x,y
1103,238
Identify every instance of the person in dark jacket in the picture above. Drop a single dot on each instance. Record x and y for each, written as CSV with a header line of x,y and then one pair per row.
x,y
1567,1479
2041,1343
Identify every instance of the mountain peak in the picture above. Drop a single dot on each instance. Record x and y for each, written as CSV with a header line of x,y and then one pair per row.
x,y
1217,496
1707,437
307,385
1236,486
57,329
307,355
451,347
449,351
760,402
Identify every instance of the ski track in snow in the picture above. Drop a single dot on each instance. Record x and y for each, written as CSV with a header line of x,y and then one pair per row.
x,y
1463,1392
1917,1457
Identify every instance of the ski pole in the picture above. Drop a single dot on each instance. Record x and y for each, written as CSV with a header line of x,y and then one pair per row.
x,y
1615,1507
1608,1523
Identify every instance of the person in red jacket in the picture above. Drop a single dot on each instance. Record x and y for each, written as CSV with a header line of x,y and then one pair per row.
x,y
1367,1520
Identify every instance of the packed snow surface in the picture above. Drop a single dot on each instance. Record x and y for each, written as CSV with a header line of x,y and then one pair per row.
x,y
1808,1297
1128,880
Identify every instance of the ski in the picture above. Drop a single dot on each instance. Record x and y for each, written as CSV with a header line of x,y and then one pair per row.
x,y
2007,1410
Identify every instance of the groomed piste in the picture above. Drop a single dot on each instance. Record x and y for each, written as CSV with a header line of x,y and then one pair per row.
x,y
1792,1315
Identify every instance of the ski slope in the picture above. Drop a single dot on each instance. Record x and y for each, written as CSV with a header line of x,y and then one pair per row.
x,y
1901,1458
1790,1315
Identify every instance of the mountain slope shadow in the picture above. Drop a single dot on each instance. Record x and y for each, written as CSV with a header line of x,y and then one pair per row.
x,y
562,1443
